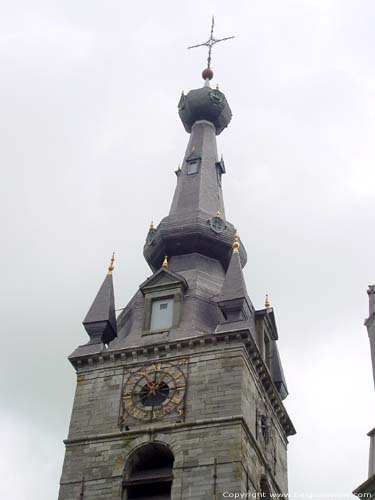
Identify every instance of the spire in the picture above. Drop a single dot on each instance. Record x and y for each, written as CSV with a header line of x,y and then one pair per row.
x,y
192,226
100,321
199,182
233,295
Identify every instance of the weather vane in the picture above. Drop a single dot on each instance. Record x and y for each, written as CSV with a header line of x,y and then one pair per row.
x,y
210,43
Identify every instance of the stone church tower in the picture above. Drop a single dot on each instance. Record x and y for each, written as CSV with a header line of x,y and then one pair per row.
x,y
181,396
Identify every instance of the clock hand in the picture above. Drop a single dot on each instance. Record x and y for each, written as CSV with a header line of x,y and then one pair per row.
x,y
145,374
160,380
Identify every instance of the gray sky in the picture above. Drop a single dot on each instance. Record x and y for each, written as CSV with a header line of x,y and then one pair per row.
x,y
90,137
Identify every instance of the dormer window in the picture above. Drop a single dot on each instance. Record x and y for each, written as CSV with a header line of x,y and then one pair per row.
x,y
193,166
161,314
220,170
163,297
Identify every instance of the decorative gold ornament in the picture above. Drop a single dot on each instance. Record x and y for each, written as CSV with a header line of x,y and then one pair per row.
x,y
111,266
236,243
267,302
165,262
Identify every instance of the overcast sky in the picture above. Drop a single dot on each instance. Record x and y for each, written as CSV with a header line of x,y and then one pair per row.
x,y
90,138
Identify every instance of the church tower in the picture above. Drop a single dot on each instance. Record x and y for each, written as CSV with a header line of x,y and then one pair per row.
x,y
181,396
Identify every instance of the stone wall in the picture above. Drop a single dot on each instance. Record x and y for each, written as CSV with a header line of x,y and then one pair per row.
x,y
223,400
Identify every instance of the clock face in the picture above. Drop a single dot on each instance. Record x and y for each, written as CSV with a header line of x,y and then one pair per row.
x,y
217,224
154,391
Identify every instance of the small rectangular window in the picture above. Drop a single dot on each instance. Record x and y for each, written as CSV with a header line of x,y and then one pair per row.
x,y
161,314
192,167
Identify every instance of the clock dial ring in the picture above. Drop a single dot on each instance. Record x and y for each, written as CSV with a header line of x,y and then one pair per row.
x,y
154,391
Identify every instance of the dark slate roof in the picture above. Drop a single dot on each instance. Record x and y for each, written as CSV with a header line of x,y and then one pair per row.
x,y
200,313
278,376
268,315
234,286
204,104
197,198
163,278
199,191
368,488
100,321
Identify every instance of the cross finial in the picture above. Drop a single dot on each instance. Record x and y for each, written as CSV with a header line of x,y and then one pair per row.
x,y
207,73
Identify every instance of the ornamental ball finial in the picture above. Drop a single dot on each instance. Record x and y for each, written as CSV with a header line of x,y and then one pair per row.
x,y
207,74
267,302
111,266
236,243
165,262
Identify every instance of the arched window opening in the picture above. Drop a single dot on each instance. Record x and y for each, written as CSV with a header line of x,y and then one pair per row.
x,y
149,473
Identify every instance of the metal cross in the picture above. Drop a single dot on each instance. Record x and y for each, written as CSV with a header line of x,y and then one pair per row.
x,y
210,43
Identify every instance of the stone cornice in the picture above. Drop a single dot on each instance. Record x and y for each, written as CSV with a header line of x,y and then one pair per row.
x,y
181,346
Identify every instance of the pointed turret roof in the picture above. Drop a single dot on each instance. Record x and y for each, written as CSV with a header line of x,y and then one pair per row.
x,y
234,286
100,321
233,295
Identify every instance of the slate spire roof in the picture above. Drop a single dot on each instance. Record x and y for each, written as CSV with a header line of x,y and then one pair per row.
x,y
234,286
195,255
196,222
100,321
233,295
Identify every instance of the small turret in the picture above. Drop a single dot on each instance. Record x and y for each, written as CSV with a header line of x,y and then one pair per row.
x,y
233,296
100,321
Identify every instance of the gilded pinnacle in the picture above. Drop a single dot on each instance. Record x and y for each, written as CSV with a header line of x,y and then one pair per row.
x,y
236,244
218,213
111,266
165,262
267,302
152,225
